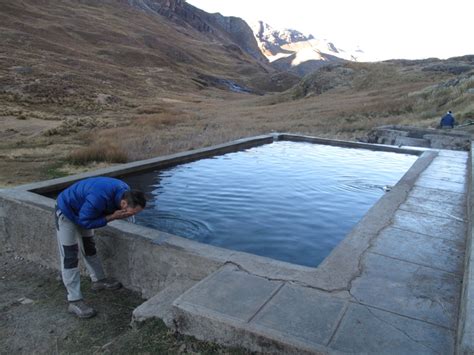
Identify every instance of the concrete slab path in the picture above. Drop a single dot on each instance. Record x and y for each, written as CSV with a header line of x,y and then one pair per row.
x,y
404,299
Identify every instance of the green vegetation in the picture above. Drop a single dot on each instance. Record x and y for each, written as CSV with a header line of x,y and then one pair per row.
x,y
54,171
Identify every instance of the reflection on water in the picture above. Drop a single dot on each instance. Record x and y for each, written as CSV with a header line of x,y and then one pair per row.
x,y
289,201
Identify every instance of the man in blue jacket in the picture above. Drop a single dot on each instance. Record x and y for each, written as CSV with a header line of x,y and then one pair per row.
x,y
447,121
85,205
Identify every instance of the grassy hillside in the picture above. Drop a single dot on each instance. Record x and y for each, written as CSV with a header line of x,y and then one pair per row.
x,y
421,90
68,52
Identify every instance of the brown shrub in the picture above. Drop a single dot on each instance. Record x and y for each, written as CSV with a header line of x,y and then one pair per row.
x,y
101,151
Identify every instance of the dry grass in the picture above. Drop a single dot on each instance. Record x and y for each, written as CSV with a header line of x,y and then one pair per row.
x,y
346,114
157,121
75,125
100,151
188,121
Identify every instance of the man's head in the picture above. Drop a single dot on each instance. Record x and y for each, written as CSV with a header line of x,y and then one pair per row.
x,y
133,201
449,112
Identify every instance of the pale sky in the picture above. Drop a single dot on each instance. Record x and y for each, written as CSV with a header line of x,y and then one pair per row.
x,y
410,29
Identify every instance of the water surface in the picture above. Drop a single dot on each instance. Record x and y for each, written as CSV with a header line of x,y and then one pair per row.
x,y
288,201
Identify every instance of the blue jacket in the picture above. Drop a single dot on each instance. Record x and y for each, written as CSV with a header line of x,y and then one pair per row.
x,y
87,202
447,120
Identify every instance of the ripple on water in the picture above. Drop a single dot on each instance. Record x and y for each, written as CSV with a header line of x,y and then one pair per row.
x,y
173,223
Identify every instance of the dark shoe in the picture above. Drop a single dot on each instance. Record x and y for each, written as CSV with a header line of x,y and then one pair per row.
x,y
106,284
81,309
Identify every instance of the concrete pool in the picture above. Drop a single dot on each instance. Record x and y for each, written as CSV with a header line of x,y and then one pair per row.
x,y
290,201
348,287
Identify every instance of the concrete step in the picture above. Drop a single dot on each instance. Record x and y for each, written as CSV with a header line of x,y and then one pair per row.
x,y
160,305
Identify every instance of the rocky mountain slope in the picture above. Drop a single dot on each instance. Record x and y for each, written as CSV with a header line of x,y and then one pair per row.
x,y
75,52
291,50
230,28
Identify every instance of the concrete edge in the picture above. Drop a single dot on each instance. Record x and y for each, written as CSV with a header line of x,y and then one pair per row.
x,y
349,144
435,131
28,197
465,331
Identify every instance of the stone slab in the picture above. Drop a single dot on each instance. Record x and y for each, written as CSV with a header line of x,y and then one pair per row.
x,y
215,327
439,227
434,208
447,161
459,178
442,185
444,154
441,196
447,168
421,249
443,173
231,293
303,313
458,157
223,308
454,159
453,154
409,290
365,330
454,167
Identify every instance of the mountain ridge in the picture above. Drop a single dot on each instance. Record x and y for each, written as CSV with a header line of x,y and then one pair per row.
x,y
292,51
226,27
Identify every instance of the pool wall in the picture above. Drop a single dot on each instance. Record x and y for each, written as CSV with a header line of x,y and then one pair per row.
x,y
465,334
148,261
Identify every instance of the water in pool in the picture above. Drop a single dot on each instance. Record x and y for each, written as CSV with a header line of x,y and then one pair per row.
x,y
288,201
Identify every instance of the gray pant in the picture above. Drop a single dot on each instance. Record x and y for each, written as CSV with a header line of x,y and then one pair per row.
x,y
71,240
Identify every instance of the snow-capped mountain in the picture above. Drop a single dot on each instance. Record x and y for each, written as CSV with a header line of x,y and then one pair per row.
x,y
291,50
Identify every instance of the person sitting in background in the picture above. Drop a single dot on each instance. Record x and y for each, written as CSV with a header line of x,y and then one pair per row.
x,y
447,121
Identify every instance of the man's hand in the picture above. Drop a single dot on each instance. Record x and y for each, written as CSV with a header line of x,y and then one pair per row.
x,y
119,214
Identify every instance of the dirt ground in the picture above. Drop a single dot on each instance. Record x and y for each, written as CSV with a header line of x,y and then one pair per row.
x,y
34,318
